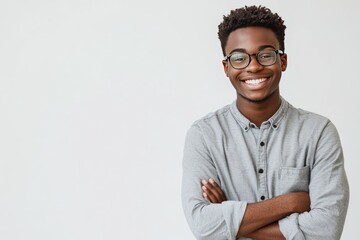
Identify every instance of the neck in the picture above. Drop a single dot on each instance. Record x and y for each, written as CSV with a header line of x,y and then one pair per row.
x,y
259,111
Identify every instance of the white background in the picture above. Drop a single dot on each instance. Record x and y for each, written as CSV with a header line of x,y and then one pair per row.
x,y
96,97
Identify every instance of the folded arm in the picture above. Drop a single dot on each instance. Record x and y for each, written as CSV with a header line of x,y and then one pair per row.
x,y
329,194
260,219
206,221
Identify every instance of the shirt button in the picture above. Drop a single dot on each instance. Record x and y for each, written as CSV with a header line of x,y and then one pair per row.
x,y
262,144
261,170
274,126
262,197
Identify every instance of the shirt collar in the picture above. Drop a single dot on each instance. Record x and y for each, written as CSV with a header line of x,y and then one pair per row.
x,y
274,121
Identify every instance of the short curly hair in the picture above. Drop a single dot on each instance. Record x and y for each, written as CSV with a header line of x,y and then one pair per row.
x,y
252,16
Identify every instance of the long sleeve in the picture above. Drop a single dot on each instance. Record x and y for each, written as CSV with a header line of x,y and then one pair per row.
x,y
207,221
329,194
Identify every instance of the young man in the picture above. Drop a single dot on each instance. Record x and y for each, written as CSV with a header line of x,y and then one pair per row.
x,y
260,168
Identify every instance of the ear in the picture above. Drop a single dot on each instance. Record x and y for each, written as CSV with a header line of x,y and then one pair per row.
x,y
283,60
226,67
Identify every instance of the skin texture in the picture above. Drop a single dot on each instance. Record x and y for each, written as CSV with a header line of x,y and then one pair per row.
x,y
269,232
260,219
260,103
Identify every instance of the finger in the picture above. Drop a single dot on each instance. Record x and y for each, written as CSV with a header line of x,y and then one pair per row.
x,y
206,197
215,195
210,196
215,191
217,188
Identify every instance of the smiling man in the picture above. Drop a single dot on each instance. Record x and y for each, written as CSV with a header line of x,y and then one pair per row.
x,y
260,168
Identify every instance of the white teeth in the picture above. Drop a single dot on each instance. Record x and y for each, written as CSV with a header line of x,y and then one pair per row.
x,y
255,81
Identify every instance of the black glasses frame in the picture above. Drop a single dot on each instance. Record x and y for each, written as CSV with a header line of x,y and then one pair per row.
x,y
226,58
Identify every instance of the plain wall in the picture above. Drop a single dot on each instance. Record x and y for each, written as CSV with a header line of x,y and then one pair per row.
x,y
96,97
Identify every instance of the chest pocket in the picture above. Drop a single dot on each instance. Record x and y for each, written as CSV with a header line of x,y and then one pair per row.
x,y
294,179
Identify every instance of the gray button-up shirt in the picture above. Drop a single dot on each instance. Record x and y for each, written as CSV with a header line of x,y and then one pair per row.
x,y
294,150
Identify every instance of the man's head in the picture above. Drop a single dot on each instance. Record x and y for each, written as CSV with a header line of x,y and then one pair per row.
x,y
252,40
252,16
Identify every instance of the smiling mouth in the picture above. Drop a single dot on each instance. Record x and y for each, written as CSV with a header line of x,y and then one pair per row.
x,y
254,82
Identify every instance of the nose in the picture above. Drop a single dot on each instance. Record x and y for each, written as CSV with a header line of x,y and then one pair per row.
x,y
254,65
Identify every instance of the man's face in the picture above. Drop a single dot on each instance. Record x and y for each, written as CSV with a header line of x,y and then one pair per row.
x,y
251,40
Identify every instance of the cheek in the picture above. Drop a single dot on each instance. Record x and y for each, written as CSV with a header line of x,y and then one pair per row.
x,y
233,73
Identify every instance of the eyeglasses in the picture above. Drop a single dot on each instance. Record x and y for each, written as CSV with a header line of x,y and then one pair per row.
x,y
240,60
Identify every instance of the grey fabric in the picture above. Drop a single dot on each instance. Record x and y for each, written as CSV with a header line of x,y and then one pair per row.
x,y
297,150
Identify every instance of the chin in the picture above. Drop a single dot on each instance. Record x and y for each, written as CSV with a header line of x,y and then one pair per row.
x,y
256,99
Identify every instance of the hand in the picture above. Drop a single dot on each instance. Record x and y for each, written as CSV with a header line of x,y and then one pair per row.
x,y
212,192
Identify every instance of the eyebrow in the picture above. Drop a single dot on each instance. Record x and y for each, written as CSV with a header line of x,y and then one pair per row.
x,y
259,49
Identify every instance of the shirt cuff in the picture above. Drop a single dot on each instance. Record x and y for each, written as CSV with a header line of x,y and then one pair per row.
x,y
233,212
289,227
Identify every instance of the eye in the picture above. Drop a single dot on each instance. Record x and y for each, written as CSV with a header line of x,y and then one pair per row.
x,y
239,57
266,55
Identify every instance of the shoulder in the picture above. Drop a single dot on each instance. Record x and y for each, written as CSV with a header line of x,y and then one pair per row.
x,y
213,123
214,118
309,122
307,117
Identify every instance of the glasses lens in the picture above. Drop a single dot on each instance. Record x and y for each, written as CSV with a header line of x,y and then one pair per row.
x,y
267,57
239,60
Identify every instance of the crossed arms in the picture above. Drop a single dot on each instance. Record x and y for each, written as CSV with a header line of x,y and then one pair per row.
x,y
318,214
260,219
